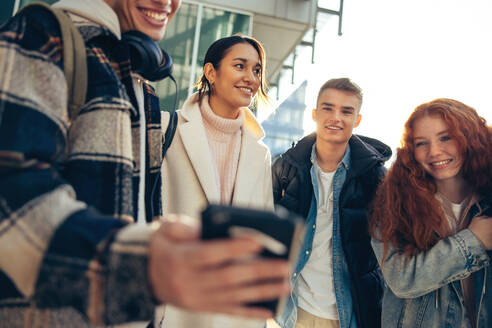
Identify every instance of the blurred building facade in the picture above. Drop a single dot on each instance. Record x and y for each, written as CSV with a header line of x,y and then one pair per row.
x,y
282,26
285,126
279,24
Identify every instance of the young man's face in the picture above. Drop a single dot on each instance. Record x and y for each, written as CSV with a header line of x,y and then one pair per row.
x,y
147,16
336,115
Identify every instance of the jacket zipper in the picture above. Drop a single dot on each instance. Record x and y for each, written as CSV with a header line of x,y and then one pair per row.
x,y
481,296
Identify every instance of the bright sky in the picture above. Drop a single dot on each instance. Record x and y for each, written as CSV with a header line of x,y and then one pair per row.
x,y
404,53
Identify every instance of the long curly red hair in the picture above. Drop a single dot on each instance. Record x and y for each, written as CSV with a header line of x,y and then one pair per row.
x,y
405,212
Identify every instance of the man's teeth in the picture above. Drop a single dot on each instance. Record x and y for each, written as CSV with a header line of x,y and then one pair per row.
x,y
154,15
441,162
333,128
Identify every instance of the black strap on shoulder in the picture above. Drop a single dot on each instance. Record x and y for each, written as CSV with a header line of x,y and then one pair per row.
x,y
288,174
170,131
168,138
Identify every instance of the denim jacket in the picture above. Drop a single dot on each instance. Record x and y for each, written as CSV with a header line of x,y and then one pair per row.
x,y
426,291
341,276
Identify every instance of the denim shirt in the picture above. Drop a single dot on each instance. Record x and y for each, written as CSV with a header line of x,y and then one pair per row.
x,y
341,276
425,292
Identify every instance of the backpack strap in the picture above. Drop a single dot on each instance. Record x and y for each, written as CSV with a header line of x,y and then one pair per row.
x,y
171,119
170,131
288,173
74,59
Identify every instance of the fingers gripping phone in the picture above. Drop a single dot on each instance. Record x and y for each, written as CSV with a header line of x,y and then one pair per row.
x,y
276,231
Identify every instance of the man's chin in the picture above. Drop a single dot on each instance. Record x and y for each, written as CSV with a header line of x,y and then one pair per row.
x,y
334,139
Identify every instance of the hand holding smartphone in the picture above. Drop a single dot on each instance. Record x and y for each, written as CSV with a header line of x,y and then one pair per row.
x,y
275,231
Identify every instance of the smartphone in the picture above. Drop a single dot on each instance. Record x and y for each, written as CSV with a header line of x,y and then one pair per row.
x,y
279,232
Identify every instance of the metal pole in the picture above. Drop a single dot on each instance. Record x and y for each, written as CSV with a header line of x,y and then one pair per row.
x,y
293,65
340,16
196,42
315,28
278,85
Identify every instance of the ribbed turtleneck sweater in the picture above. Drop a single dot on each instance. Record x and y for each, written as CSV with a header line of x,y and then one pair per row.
x,y
224,140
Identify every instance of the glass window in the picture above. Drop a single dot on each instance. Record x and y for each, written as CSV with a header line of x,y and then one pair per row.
x,y
6,9
216,24
25,2
178,42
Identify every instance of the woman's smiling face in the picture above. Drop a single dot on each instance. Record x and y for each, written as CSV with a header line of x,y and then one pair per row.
x,y
238,77
435,149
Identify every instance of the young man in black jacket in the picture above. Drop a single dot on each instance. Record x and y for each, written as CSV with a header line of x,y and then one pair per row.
x,y
330,177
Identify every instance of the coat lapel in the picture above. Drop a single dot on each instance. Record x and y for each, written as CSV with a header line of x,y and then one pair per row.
x,y
251,157
196,145
251,163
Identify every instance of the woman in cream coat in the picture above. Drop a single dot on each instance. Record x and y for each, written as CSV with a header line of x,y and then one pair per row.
x,y
189,171
217,155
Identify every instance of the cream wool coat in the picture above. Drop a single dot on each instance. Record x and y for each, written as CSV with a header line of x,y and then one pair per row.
x,y
188,186
188,172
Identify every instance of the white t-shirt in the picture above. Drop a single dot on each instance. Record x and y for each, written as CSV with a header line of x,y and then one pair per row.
x,y
315,289
453,213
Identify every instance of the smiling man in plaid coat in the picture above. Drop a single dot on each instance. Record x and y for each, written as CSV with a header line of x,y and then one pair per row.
x,y
69,187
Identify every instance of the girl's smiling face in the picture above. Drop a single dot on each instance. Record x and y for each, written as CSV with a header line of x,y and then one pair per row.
x,y
435,149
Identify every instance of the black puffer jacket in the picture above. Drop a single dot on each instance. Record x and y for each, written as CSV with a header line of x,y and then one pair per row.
x,y
292,188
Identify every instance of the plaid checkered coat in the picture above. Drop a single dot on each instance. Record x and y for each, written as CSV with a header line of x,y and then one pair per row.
x,y
69,188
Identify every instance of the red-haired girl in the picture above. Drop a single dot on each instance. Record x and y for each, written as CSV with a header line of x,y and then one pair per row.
x,y
431,225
